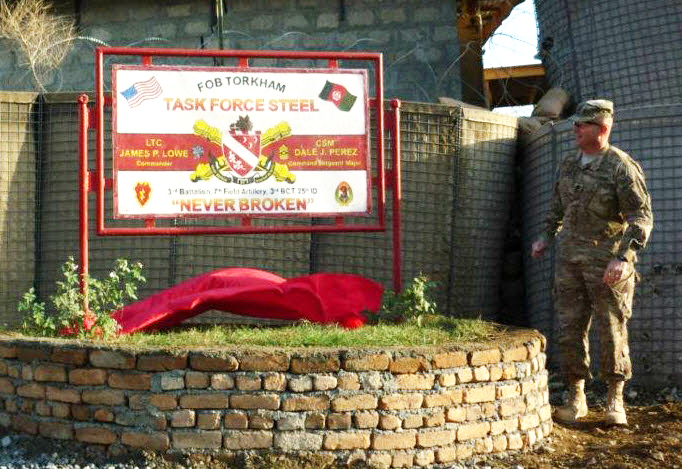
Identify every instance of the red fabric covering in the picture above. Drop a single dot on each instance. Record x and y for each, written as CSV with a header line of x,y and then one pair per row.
x,y
324,298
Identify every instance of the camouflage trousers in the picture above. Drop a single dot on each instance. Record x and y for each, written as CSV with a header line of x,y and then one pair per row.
x,y
581,295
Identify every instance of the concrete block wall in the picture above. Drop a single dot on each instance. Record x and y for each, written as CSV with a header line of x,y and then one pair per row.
x,y
419,39
428,406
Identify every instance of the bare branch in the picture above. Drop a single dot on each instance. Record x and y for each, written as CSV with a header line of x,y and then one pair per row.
x,y
42,37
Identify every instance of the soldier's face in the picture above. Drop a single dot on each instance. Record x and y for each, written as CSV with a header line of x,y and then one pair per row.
x,y
586,134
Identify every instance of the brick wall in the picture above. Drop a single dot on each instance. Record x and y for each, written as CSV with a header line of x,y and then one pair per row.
x,y
392,408
419,39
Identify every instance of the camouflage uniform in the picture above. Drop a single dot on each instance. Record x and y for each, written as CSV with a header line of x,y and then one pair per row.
x,y
599,212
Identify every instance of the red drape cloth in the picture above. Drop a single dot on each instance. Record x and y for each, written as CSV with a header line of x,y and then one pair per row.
x,y
323,298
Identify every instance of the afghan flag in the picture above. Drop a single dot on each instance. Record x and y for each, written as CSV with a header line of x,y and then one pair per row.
x,y
338,95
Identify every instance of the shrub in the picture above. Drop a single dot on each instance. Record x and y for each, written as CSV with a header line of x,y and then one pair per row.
x,y
67,318
413,304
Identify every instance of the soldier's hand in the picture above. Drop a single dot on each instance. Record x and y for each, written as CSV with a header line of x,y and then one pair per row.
x,y
538,248
614,271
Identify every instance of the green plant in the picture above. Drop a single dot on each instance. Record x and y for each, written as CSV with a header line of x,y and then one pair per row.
x,y
413,304
67,318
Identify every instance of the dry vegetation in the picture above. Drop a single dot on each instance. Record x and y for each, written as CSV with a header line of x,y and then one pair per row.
x,y
42,38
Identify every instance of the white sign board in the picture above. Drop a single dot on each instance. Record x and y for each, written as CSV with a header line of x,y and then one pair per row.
x,y
218,141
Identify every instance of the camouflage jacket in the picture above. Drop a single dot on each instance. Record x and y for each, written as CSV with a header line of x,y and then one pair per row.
x,y
602,209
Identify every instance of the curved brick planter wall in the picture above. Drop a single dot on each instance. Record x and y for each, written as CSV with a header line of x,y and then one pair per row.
x,y
394,408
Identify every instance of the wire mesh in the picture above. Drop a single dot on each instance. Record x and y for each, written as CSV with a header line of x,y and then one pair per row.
x,y
457,184
19,112
620,50
651,135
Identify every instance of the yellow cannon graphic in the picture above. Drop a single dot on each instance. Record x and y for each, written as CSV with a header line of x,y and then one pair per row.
x,y
204,171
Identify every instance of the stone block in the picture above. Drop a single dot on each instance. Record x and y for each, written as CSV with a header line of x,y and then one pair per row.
x,y
516,354
239,440
443,398
300,384
96,435
183,418
132,381
402,459
324,382
452,359
395,440
472,430
348,382
156,441
424,458
248,383
24,424
199,439
484,357
57,430
56,373
32,390
274,382
401,401
197,380
161,361
456,414
88,376
305,403
427,439
367,362
208,362
339,421
222,381
236,421
112,359
108,397
415,382
315,421
405,365
479,394
322,363
498,427
367,419
354,402
264,362
436,419
389,422
293,442
379,461
204,401
208,420
413,421
346,440
255,401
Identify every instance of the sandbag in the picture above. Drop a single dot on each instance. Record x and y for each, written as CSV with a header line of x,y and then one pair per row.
x,y
552,104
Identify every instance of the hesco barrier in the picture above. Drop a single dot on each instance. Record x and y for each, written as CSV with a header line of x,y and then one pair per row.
x,y
395,407
19,144
458,167
652,136
624,51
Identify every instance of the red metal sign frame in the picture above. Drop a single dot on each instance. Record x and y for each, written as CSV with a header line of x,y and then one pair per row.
x,y
96,181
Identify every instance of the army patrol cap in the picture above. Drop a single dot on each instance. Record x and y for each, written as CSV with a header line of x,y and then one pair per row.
x,y
593,111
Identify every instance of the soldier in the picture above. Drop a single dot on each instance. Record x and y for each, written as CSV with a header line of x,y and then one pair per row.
x,y
601,217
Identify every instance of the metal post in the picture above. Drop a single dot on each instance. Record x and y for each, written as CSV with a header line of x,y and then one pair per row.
x,y
84,188
397,200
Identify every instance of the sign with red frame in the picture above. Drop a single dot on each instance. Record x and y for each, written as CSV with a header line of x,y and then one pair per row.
x,y
219,141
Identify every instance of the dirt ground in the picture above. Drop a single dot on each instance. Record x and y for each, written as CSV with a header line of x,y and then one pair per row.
x,y
653,438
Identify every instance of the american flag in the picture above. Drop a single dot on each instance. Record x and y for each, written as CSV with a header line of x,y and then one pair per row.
x,y
141,91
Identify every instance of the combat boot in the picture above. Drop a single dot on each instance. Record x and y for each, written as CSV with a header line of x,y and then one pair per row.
x,y
615,407
576,406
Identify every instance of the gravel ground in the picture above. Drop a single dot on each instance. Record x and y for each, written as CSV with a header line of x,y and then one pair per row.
x,y
19,451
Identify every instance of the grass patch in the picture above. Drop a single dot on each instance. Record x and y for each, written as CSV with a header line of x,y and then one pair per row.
x,y
434,330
